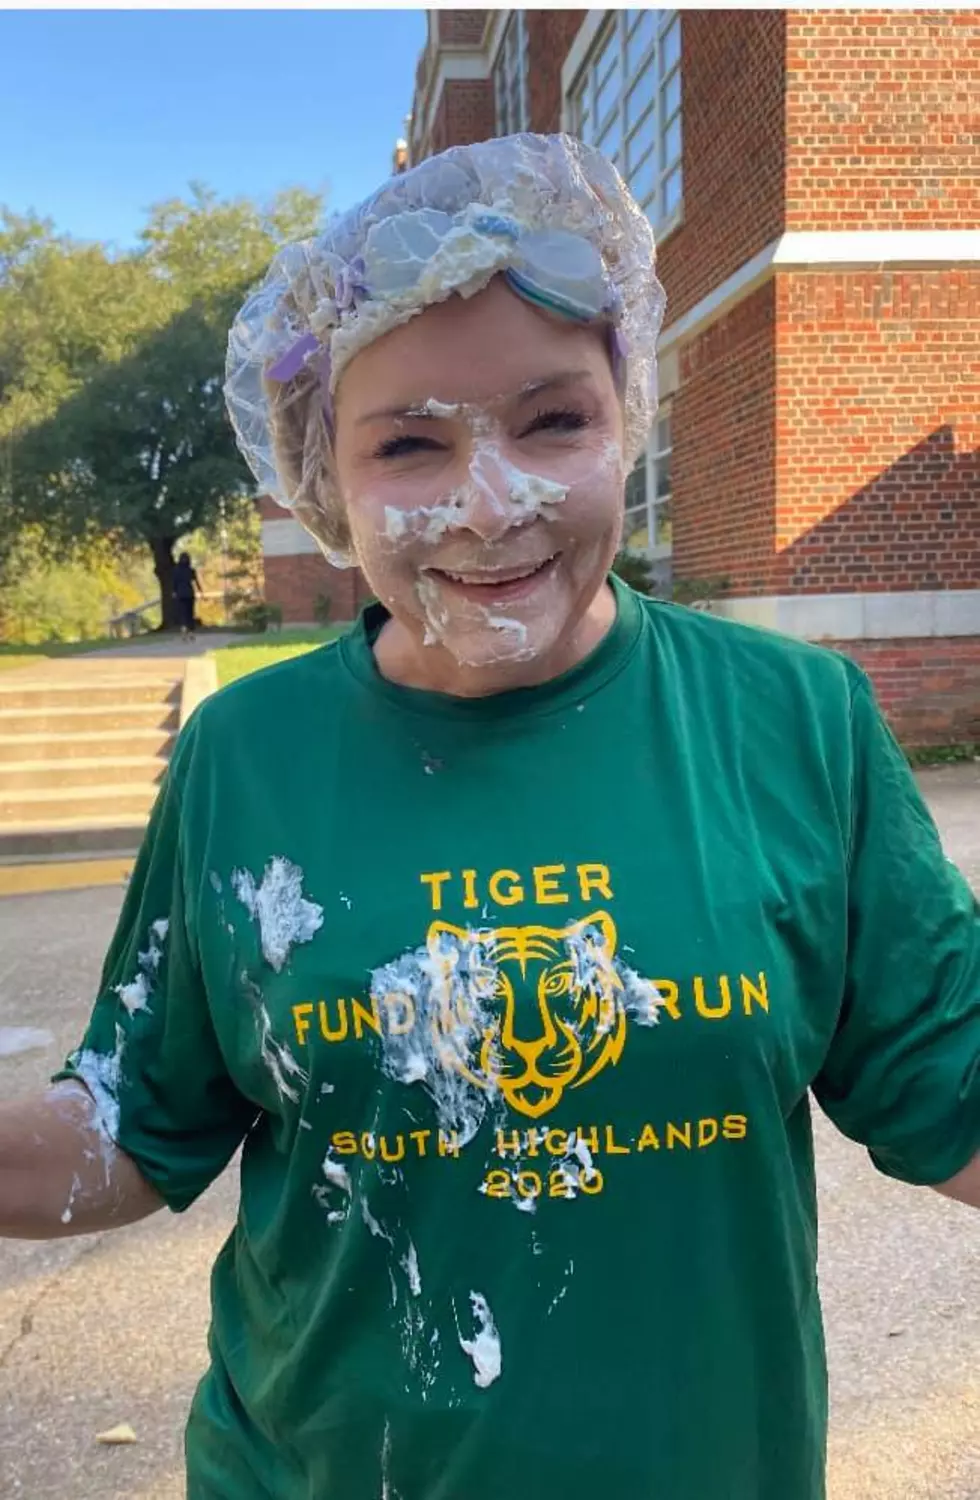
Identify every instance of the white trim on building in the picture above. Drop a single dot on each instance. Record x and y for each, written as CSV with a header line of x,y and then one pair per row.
x,y
828,250
923,613
458,63
592,24
509,71
286,538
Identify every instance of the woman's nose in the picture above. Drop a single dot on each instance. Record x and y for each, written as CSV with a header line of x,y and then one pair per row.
x,y
491,511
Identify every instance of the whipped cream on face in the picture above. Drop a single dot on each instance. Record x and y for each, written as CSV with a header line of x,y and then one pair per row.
x,y
517,495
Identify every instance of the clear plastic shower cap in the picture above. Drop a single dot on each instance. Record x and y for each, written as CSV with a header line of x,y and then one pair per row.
x,y
548,213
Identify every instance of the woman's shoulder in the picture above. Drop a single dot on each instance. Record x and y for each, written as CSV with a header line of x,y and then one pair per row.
x,y
273,701
752,656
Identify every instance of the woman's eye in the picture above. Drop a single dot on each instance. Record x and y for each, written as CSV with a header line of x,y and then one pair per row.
x,y
404,445
563,419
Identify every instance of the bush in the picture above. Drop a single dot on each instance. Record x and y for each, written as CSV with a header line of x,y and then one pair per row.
x,y
257,615
321,609
697,591
635,569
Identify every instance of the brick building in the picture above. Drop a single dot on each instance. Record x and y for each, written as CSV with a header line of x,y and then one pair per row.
x,y
813,179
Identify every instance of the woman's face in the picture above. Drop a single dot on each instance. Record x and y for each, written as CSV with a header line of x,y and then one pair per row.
x,y
479,454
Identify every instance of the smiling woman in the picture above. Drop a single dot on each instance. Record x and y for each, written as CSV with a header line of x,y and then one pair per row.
x,y
486,523
513,932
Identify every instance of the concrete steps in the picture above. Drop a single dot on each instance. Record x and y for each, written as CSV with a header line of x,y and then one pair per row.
x,y
47,774
83,747
52,747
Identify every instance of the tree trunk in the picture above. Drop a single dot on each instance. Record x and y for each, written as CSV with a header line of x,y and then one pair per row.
x,y
162,548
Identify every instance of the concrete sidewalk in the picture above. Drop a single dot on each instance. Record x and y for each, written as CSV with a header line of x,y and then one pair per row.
x,y
111,1328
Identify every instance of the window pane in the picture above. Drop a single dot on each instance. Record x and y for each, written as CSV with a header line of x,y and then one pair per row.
x,y
607,96
636,486
663,477
670,46
606,57
663,443
672,143
610,140
636,537
670,96
664,524
643,181
671,193
639,42
640,97
640,147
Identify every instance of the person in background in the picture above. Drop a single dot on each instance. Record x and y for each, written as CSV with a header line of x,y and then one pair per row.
x,y
186,583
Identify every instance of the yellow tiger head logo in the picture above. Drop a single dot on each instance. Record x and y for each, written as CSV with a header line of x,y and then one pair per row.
x,y
550,1000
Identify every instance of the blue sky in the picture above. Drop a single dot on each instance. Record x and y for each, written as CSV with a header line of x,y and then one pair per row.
x,y
104,112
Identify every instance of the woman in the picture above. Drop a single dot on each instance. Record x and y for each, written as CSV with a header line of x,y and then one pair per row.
x,y
186,584
511,932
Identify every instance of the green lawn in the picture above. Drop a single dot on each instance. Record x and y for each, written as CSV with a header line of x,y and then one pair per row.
x,y
240,659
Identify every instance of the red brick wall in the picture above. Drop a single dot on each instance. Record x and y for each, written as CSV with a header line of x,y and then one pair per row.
x,y
733,87
465,114
462,28
724,478
929,689
878,437
883,109
294,583
550,34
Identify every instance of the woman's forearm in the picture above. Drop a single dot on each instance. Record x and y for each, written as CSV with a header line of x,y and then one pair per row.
x,y
60,1174
965,1186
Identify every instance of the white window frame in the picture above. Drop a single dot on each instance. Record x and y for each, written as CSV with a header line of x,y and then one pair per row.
x,y
656,456
656,121
511,49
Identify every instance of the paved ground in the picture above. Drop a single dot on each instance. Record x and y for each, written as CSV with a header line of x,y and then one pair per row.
x,y
111,1329
172,646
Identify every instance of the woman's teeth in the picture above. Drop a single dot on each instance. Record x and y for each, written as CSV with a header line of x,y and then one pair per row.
x,y
487,579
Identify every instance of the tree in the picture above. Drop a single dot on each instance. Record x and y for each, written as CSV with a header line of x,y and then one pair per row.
x,y
112,416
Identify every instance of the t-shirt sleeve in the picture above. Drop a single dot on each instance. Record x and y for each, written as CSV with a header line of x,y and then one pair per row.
x,y
150,1055
903,1072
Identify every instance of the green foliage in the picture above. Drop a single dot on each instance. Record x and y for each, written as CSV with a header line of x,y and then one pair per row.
x,y
68,599
112,417
942,755
227,555
634,569
697,590
321,609
256,614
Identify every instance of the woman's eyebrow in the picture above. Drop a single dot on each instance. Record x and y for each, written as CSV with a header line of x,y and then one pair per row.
x,y
421,411
552,383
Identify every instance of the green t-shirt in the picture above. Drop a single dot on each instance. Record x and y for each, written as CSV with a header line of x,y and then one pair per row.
x,y
516,1004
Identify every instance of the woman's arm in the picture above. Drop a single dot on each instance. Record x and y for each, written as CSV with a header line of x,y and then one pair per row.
x,y
965,1186
60,1175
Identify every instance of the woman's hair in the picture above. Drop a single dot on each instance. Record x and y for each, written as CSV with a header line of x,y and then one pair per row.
x,y
184,557
548,213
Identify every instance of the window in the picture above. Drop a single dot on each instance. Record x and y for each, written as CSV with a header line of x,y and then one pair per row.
x,y
510,77
627,102
647,525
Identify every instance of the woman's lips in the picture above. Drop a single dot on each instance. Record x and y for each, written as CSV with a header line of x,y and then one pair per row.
x,y
493,586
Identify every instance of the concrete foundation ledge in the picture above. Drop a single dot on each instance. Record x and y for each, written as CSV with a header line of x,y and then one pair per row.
x,y
200,681
860,617
60,874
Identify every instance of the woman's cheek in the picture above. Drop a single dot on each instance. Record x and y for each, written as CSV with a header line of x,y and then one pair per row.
x,y
598,464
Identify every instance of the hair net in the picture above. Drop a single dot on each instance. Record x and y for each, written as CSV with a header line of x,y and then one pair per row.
x,y
550,214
